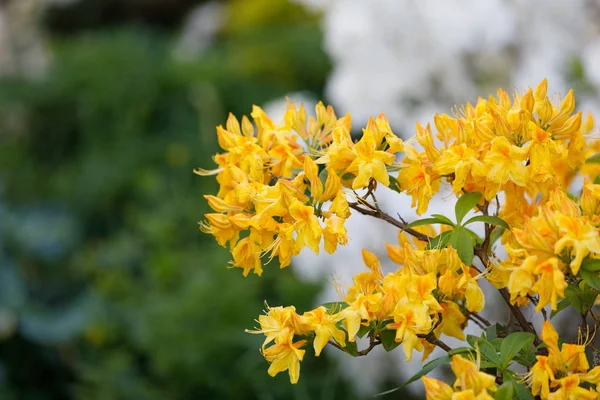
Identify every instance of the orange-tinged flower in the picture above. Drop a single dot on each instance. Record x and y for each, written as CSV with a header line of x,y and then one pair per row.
x,y
437,390
551,284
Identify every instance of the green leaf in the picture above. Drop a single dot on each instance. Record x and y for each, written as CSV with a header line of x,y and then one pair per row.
x,y
521,392
443,218
323,175
439,242
466,202
351,348
505,391
497,343
590,278
394,184
388,339
496,234
513,344
564,303
593,159
427,221
462,242
591,264
488,219
335,306
486,349
581,299
363,330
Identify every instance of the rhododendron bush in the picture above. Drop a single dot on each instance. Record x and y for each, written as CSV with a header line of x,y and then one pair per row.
x,y
510,161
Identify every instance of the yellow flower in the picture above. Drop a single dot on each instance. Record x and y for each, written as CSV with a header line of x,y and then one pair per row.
x,y
570,390
369,162
417,179
580,236
539,377
505,162
307,226
246,255
277,324
468,376
324,326
285,356
551,284
437,390
334,233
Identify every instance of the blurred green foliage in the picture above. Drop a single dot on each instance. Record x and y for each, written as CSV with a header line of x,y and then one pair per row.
x,y
107,288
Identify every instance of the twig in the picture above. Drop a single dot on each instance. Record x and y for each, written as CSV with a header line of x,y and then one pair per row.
x,y
481,319
377,213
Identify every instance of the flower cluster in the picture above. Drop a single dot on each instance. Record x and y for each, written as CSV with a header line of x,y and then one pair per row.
x,y
291,185
550,247
264,176
563,369
429,297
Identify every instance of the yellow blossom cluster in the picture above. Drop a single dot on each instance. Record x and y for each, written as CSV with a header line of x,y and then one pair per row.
x,y
275,179
290,185
549,247
470,384
564,370
431,295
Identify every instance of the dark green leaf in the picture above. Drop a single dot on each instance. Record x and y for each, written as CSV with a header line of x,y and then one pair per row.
x,y
564,303
486,349
591,264
351,348
513,344
440,241
521,392
593,159
462,242
394,184
581,299
590,278
426,221
504,392
488,219
388,339
465,204
363,330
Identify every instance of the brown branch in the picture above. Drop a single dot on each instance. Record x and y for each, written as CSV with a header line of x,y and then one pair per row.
x,y
377,213
374,342
481,319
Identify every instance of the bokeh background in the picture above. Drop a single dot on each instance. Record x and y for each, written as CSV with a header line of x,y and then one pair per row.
x,y
107,288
